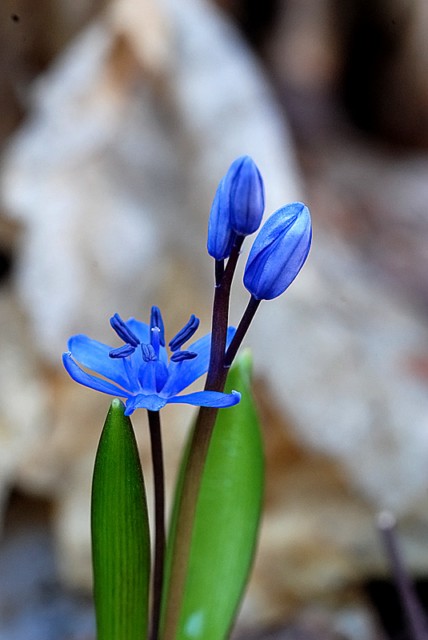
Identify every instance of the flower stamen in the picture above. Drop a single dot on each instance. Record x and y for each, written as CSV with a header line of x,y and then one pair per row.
x,y
122,352
184,334
123,331
179,356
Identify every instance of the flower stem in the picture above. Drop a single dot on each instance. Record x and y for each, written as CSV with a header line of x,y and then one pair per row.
x,y
215,378
201,437
186,514
159,494
242,329
219,271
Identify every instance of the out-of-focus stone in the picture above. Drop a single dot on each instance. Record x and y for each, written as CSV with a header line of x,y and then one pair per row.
x,y
30,37
106,138
24,418
352,341
375,199
367,59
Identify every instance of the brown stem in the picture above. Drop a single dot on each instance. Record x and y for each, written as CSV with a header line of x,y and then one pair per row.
x,y
159,492
199,445
242,329
192,480
221,317
201,438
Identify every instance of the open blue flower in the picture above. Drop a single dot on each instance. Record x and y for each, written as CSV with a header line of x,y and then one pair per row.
x,y
139,370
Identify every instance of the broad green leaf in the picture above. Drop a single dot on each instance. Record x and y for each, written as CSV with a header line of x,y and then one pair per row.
x,y
226,520
120,533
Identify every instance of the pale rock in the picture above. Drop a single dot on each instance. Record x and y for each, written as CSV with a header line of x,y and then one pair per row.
x,y
105,138
24,407
349,384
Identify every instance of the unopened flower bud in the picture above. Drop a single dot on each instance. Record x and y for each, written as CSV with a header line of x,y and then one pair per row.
x,y
279,252
220,233
237,208
246,196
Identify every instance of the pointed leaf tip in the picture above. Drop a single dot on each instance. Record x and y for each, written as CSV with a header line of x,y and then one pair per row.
x,y
120,532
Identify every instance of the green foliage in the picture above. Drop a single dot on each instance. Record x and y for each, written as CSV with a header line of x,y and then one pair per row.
x,y
227,517
120,533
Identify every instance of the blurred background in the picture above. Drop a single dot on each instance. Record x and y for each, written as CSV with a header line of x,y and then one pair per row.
x,y
117,120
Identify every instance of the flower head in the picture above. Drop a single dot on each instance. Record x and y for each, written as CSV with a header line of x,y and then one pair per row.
x,y
139,370
279,252
237,208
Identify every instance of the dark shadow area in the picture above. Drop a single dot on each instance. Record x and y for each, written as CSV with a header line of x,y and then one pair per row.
x,y
33,603
6,264
386,603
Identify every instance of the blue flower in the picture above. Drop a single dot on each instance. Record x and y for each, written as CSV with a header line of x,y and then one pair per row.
x,y
139,370
279,252
237,208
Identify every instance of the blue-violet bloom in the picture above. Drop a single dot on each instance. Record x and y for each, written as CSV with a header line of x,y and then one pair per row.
x,y
139,370
238,207
279,252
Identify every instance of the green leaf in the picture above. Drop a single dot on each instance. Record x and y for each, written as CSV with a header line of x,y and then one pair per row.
x,y
120,533
227,517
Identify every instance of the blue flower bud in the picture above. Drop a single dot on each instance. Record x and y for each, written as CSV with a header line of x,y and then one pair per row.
x,y
220,233
279,252
246,196
237,208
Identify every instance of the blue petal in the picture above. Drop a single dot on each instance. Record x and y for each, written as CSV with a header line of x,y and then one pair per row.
x,y
152,376
208,399
95,356
141,401
183,374
141,329
230,333
88,380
